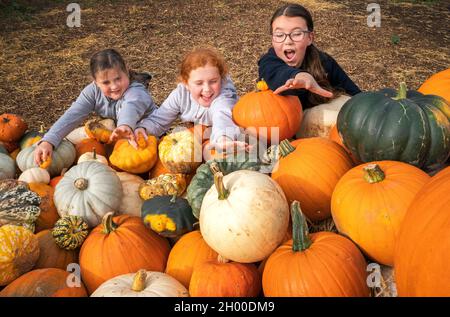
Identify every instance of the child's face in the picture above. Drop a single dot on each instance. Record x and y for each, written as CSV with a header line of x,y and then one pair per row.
x,y
204,84
292,53
112,82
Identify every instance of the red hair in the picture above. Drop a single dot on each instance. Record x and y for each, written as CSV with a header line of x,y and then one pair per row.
x,y
201,57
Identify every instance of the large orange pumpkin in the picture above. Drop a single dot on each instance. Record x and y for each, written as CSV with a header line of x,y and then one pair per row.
x,y
50,255
121,245
49,215
422,257
370,201
50,282
318,264
190,251
261,111
12,127
438,84
308,171
220,278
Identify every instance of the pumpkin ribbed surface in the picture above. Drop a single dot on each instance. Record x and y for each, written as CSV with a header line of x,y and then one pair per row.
x,y
19,251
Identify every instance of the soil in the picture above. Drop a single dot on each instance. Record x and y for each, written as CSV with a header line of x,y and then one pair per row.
x,y
44,64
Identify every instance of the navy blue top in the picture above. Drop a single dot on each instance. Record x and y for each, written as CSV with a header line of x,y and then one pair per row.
x,y
276,72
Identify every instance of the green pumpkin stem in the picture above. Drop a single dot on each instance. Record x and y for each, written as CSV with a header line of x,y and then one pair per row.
x,y
300,233
139,281
373,173
218,181
108,223
41,129
401,93
286,148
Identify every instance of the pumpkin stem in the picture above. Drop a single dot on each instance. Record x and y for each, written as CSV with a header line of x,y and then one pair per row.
x,y
139,281
221,259
108,223
373,173
218,181
94,155
81,183
401,93
286,148
300,233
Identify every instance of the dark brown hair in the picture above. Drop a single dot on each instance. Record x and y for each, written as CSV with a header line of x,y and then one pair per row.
x,y
200,57
110,58
311,63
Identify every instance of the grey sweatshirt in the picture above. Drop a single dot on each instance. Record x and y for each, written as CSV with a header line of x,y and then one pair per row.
x,y
135,104
180,103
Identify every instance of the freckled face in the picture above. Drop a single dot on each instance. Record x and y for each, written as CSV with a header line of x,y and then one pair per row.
x,y
112,82
292,53
204,84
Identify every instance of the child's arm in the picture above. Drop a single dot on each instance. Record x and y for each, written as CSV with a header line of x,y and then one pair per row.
x,y
275,71
73,117
160,120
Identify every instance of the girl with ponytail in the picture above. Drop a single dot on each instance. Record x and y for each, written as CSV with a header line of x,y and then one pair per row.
x,y
295,66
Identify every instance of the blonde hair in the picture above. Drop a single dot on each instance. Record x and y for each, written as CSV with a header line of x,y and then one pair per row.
x,y
201,57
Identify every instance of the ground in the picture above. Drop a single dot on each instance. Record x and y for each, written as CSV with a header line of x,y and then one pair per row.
x,y
44,64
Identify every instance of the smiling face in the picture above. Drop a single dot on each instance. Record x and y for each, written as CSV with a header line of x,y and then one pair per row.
x,y
204,84
292,53
113,82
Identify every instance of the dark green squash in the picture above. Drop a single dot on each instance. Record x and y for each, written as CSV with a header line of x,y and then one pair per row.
x,y
204,179
169,216
397,125
70,232
31,137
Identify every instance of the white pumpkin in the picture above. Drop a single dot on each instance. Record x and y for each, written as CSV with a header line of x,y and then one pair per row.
x,y
131,201
92,156
77,135
62,157
141,284
7,167
318,120
35,175
90,190
250,223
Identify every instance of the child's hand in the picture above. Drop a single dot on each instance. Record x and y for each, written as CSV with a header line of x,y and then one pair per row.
x,y
304,80
42,152
121,132
229,146
140,131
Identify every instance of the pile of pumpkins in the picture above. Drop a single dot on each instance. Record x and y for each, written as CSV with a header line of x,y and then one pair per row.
x,y
157,219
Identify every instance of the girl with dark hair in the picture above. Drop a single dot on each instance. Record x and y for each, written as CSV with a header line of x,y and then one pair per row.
x,y
114,93
294,65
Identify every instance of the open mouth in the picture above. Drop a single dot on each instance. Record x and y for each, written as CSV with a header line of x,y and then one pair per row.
x,y
289,54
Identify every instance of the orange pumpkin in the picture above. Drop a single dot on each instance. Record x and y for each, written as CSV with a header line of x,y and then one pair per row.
x,y
97,130
50,282
131,160
334,136
12,127
120,245
319,264
55,180
422,257
308,171
158,169
220,278
86,145
370,201
261,111
50,255
188,252
49,214
438,84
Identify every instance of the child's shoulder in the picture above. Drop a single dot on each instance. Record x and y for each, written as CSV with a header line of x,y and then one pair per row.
x,y
136,90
